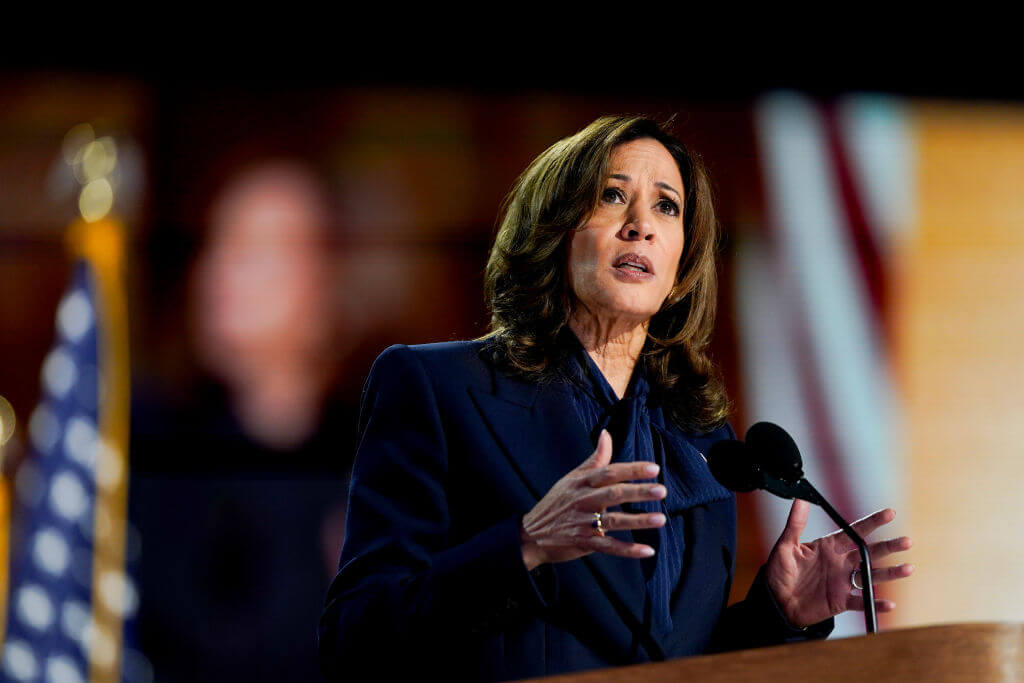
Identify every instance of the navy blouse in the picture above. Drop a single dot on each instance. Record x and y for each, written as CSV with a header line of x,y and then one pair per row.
x,y
637,426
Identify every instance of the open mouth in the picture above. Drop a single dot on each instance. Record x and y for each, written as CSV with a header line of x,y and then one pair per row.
x,y
634,263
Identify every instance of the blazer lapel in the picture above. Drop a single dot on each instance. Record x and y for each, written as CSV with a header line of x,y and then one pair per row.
x,y
541,447
543,439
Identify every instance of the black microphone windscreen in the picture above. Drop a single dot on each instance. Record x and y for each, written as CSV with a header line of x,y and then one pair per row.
x,y
732,466
775,451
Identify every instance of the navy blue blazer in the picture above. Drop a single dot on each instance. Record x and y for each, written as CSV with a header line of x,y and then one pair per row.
x,y
452,453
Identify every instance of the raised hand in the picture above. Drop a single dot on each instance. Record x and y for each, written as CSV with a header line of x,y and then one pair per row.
x,y
812,581
560,527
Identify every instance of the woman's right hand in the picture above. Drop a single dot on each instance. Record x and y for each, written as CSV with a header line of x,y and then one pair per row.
x,y
560,527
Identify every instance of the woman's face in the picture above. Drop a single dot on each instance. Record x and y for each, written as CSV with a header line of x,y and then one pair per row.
x,y
623,261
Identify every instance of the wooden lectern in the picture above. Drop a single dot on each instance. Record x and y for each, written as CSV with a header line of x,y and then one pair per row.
x,y
956,652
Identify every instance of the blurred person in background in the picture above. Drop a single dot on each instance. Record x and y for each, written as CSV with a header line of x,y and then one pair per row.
x,y
239,496
266,303
536,501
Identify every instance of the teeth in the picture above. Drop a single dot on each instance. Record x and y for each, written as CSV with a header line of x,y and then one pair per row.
x,y
630,266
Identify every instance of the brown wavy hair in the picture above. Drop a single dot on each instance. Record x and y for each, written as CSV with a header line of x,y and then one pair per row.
x,y
526,281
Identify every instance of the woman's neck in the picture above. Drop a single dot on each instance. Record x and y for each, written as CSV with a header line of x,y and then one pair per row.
x,y
614,344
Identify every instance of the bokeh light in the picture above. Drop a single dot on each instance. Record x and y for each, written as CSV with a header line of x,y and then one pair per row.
x,y
75,140
7,421
98,158
96,199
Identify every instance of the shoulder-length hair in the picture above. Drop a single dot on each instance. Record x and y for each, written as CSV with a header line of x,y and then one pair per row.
x,y
527,286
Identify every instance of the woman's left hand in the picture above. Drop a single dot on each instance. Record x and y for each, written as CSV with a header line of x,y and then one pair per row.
x,y
812,581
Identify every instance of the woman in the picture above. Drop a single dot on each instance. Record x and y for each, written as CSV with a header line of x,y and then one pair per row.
x,y
536,501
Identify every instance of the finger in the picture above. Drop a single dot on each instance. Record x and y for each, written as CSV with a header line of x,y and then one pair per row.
x,y
856,602
617,494
613,546
622,521
873,521
620,471
602,455
796,522
883,574
882,549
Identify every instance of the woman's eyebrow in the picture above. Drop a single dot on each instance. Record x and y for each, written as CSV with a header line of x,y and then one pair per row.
x,y
666,186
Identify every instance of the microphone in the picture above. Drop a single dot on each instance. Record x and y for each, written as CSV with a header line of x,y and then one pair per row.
x,y
770,460
777,453
732,466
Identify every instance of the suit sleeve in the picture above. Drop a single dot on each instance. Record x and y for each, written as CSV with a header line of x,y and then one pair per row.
x,y
403,585
758,621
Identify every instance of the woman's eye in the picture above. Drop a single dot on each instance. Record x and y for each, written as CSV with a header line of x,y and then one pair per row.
x,y
613,195
669,207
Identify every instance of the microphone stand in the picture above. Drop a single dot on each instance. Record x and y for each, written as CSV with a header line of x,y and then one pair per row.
x,y
803,490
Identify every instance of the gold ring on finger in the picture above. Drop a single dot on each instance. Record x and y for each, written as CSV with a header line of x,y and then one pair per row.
x,y
598,523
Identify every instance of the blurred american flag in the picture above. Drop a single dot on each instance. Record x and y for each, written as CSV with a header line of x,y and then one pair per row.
x,y
71,597
812,298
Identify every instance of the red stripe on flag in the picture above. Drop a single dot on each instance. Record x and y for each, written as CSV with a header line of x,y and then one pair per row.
x,y
862,235
815,403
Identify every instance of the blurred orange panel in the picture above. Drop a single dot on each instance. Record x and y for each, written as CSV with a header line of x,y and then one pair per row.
x,y
960,344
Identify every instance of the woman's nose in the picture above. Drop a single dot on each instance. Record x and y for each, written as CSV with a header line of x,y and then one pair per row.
x,y
638,226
